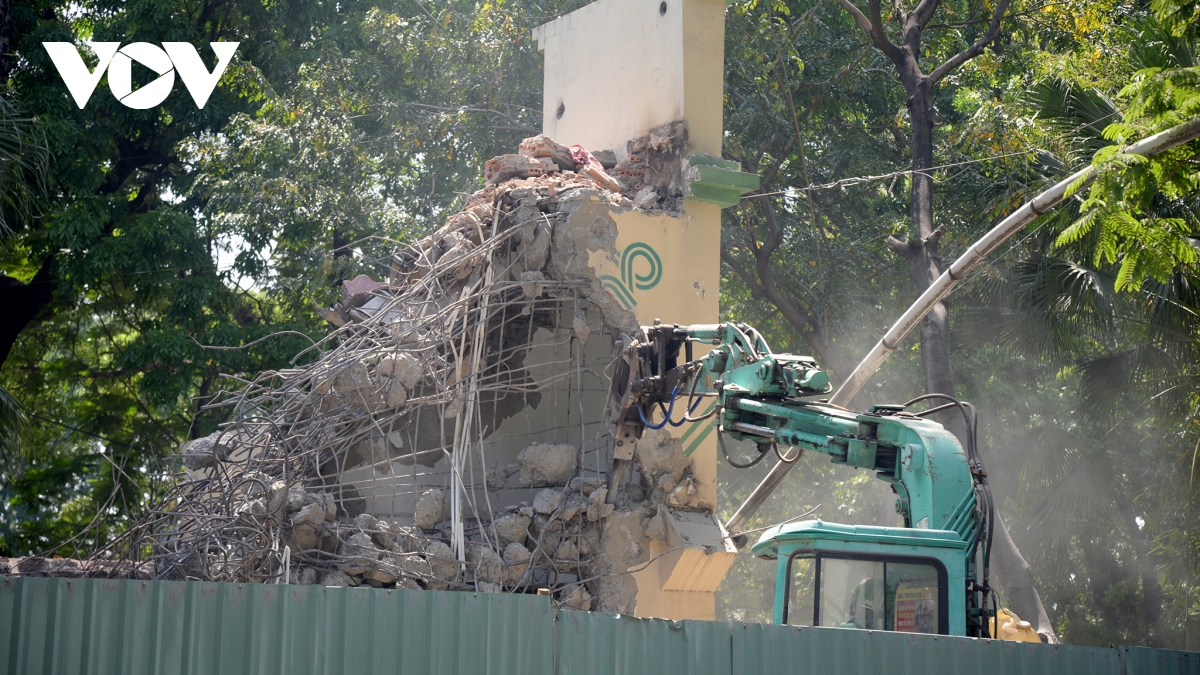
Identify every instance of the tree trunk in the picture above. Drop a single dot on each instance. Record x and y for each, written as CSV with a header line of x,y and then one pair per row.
x,y
922,251
22,303
1016,580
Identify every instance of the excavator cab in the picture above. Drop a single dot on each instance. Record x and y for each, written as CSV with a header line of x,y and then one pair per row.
x,y
867,577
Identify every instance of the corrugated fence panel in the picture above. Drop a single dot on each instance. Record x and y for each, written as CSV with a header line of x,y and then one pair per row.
x,y
103,627
109,627
590,643
759,648
1147,661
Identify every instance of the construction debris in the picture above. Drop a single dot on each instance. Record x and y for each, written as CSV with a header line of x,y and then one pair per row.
x,y
447,434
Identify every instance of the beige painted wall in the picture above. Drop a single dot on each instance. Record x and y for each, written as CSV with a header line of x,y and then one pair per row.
x,y
618,68
682,580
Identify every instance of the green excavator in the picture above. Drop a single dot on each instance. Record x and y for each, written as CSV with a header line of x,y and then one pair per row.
x,y
929,576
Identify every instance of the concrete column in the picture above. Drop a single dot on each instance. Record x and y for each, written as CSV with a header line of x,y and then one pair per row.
x,y
615,70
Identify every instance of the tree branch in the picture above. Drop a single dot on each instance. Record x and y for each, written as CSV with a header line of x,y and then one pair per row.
x,y
861,18
873,27
975,49
924,12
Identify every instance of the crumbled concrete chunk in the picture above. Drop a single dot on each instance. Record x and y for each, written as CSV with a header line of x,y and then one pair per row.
x,y
566,551
254,507
659,451
352,379
666,481
385,572
305,537
295,498
443,566
585,485
516,557
336,578
394,394
607,158
582,330
547,501
325,502
686,496
485,563
404,368
547,532
543,464
575,596
415,566
543,146
496,478
645,198
656,528
536,244
206,452
575,504
359,554
531,283
277,495
589,542
306,576
597,509
485,587
512,528
429,510
312,514
407,539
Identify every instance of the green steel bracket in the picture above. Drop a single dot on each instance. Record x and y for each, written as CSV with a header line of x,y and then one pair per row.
x,y
719,181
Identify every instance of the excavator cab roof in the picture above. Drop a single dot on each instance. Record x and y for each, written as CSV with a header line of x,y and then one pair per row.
x,y
820,535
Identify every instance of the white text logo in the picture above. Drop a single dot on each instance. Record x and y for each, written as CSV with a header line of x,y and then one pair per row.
x,y
171,58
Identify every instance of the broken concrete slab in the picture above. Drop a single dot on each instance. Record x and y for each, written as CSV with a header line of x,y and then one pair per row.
x,y
543,464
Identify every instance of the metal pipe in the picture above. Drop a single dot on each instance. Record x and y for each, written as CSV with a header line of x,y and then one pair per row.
x,y
940,288
754,429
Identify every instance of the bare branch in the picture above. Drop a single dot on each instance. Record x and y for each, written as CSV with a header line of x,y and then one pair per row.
x,y
924,12
880,38
975,49
861,18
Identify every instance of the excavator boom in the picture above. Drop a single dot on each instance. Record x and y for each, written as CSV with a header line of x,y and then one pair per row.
x,y
777,400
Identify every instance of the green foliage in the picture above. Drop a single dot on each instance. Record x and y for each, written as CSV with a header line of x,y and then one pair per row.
x,y
1138,213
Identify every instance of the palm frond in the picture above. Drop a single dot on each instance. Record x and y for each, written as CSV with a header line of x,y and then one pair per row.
x,y
1079,114
1155,46
1044,306
12,420
24,165
1105,380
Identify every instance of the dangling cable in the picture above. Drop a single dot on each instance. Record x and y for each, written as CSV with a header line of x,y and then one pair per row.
x,y
754,462
666,418
781,457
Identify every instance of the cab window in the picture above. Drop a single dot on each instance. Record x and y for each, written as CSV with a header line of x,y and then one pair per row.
x,y
869,593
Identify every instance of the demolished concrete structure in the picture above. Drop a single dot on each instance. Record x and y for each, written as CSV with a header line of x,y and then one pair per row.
x,y
449,434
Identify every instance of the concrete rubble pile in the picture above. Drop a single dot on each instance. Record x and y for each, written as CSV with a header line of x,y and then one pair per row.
x,y
420,370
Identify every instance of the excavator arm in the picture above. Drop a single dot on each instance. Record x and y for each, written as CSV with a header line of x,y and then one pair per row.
x,y
777,400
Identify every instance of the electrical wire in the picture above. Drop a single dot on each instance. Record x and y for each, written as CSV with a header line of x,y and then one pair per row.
x,y
762,454
666,417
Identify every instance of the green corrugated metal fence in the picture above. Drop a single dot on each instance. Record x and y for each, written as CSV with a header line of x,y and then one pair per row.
x,y
109,627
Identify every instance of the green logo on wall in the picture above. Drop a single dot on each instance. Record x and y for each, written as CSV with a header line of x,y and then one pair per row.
x,y
635,274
